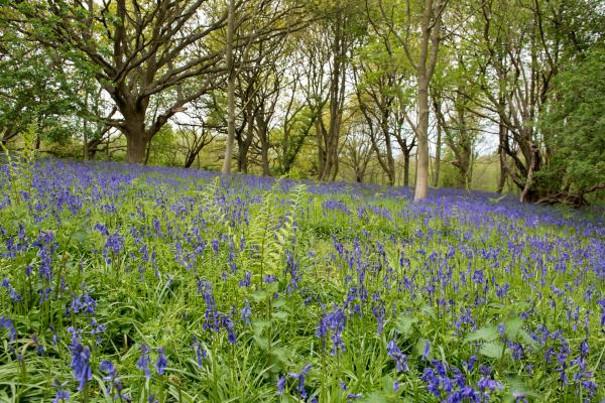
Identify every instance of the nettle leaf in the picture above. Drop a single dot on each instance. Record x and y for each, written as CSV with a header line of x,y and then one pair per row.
x,y
262,342
404,324
516,388
282,355
280,315
493,349
485,334
513,327
375,397
259,326
260,295
278,303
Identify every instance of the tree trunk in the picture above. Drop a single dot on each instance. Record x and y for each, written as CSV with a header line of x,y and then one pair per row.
x,y
437,158
502,133
136,148
406,168
190,160
265,153
422,170
429,46
230,92
137,138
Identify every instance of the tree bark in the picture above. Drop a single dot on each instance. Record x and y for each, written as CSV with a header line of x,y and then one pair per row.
x,y
230,91
406,169
136,148
422,170
437,157
429,46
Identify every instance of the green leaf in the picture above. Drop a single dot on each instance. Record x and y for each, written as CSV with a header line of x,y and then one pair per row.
x,y
493,349
485,334
513,327
375,397
282,355
280,315
260,325
262,342
260,296
278,303
404,324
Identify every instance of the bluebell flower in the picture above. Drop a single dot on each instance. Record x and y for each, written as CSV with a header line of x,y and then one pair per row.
x,y
200,353
108,367
300,377
281,385
334,322
80,361
144,361
7,324
162,362
247,280
269,278
426,350
401,360
62,396
12,293
246,313
83,304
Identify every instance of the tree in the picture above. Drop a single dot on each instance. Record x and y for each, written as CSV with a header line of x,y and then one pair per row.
x,y
524,48
575,132
329,45
138,51
37,87
427,18
357,151
230,87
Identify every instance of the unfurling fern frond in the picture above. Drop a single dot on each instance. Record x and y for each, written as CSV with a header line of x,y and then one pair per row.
x,y
208,196
272,234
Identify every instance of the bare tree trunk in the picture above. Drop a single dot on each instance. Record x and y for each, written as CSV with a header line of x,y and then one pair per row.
x,y
429,46
406,169
230,91
137,138
265,152
502,133
136,148
437,157
422,169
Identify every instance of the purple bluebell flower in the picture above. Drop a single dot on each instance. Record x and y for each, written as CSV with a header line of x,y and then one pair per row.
x,y
426,351
6,323
80,361
401,360
300,377
200,352
333,322
12,293
62,396
281,385
246,313
247,280
83,304
144,361
162,362
269,278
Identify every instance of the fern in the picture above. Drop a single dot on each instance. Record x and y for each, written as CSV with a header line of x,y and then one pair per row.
x,y
271,238
20,168
208,197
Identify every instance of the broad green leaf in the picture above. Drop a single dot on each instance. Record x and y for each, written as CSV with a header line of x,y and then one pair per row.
x,y
492,349
485,334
